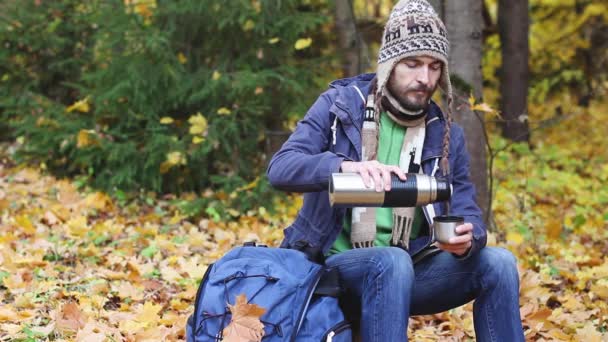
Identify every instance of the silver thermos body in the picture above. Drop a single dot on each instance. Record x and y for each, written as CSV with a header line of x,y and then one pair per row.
x,y
348,190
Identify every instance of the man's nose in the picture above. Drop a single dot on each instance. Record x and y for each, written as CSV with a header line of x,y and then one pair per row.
x,y
423,76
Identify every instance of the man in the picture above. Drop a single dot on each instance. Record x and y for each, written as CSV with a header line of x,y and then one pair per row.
x,y
384,124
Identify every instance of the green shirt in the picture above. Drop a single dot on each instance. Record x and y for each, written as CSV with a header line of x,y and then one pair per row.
x,y
389,151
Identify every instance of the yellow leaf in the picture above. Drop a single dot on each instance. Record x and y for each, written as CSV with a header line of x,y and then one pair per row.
x,y
257,6
77,227
249,25
274,40
216,75
91,332
99,201
169,274
483,107
7,313
196,130
303,43
81,106
198,124
129,290
164,167
181,58
588,334
24,222
471,100
515,238
177,304
176,158
141,7
197,140
149,313
600,288
10,328
224,111
249,186
166,120
245,324
85,139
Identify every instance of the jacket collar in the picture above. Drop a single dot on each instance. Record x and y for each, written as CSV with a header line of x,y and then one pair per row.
x,y
349,108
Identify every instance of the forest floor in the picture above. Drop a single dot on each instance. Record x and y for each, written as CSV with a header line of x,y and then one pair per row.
x,y
77,264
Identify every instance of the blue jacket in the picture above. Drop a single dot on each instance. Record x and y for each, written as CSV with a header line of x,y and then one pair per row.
x,y
330,133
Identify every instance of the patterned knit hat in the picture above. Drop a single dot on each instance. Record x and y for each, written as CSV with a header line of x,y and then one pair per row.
x,y
415,29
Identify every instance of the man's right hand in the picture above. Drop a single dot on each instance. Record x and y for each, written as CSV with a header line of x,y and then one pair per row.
x,y
373,170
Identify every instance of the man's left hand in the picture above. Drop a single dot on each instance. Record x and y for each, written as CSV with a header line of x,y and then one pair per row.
x,y
460,244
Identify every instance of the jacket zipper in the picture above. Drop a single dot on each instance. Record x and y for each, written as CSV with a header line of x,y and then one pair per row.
x,y
309,294
199,296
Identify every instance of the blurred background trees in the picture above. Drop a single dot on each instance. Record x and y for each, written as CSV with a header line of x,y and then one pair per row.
x,y
192,95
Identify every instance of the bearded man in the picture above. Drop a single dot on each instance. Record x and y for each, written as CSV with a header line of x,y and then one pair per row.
x,y
385,124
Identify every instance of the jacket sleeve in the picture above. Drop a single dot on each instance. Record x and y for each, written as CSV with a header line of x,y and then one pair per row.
x,y
304,164
463,199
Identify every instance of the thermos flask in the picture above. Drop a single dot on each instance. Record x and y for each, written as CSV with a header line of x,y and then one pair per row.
x,y
349,190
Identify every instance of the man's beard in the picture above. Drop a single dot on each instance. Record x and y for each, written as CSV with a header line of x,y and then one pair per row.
x,y
407,104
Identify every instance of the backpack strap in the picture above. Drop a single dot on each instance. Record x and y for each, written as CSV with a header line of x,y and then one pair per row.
x,y
313,253
329,285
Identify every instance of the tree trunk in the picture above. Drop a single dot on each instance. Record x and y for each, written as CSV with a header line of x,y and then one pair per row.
x,y
438,6
513,23
463,19
348,42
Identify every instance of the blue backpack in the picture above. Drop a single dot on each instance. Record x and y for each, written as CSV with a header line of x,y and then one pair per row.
x,y
299,295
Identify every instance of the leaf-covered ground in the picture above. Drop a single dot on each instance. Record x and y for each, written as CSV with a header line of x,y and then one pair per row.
x,y
76,264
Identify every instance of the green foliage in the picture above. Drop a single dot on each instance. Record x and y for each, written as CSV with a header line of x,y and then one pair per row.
x,y
168,96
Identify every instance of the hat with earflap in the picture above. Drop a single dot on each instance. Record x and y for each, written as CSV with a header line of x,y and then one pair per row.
x,y
414,29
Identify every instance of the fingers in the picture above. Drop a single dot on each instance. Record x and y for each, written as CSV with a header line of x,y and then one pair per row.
x,y
464,228
397,170
460,244
386,178
366,176
461,239
458,249
374,172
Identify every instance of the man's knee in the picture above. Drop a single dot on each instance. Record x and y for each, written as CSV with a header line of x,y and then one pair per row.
x,y
393,262
499,265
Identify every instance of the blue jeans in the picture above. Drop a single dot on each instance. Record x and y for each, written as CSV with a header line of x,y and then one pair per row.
x,y
386,288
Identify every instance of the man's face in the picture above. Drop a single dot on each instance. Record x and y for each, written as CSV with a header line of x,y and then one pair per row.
x,y
414,80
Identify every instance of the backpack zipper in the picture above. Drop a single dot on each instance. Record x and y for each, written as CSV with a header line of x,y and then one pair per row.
x,y
309,294
335,330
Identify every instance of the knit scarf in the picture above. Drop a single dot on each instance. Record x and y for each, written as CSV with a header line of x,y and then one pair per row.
x,y
363,224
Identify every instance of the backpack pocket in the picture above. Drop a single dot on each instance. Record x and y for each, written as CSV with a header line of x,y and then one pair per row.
x,y
325,322
264,283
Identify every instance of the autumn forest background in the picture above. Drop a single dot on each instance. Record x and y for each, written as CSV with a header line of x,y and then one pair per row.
x,y
134,136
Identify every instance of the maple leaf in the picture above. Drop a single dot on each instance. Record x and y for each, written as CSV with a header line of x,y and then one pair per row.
x,y
245,325
70,318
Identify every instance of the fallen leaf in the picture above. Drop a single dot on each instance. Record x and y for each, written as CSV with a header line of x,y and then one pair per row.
x,y
70,318
588,334
245,325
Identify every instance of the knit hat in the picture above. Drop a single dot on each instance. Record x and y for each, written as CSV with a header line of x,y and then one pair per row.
x,y
415,29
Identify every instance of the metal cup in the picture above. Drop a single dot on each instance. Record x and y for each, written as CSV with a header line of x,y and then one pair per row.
x,y
444,227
